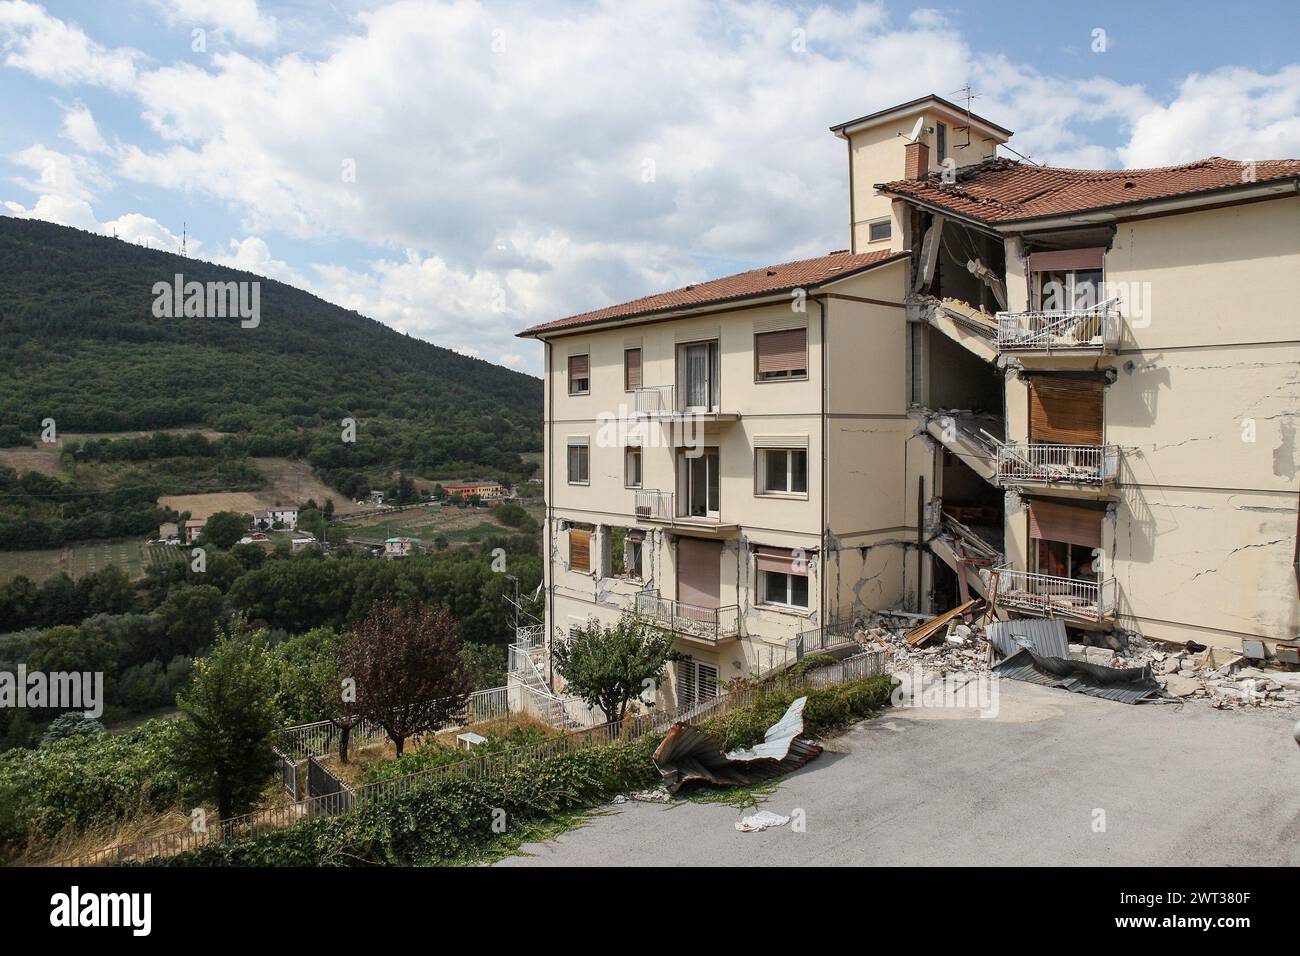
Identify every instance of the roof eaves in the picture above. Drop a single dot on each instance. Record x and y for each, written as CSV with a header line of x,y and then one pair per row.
x,y
614,320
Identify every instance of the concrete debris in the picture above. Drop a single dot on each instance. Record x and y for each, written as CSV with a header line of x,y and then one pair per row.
x,y
968,653
761,821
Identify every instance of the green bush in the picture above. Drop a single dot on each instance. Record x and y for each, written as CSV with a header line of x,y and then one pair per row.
x,y
430,756
86,781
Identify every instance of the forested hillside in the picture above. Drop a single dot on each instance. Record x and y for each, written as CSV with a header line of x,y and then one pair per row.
x,y
80,344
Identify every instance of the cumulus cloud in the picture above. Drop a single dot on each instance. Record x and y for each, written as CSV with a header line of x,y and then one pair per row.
x,y
60,52
240,19
504,164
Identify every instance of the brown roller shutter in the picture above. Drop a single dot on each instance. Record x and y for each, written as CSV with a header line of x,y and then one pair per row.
x,y
1065,411
1065,260
1069,524
780,560
631,369
699,572
785,351
579,549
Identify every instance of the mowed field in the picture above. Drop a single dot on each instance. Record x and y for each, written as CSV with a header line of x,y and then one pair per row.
x,y
428,524
77,560
289,482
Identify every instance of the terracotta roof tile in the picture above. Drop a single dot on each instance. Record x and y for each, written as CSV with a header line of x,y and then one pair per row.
x,y
806,273
1005,190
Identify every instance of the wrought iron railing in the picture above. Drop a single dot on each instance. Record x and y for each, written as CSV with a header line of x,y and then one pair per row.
x,y
1053,596
1046,331
1047,464
654,505
703,623
818,640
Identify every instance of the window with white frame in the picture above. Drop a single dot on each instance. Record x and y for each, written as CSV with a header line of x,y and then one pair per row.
x,y
579,463
632,467
782,471
579,374
782,354
782,577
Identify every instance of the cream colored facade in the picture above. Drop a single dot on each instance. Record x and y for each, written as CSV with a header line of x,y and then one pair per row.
x,y
904,407
848,415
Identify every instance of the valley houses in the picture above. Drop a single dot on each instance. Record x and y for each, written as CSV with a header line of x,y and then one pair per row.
x,y
1070,392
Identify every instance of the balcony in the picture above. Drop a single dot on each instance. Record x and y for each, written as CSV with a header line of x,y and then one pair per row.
x,y
1095,329
1088,466
1047,595
661,507
660,402
708,624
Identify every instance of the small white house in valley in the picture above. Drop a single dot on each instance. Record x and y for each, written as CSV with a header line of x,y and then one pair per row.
x,y
398,547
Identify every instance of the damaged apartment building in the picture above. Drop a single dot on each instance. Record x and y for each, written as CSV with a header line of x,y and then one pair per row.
x,y
1072,393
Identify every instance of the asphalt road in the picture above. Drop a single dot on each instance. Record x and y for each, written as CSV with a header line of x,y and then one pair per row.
x,y
935,786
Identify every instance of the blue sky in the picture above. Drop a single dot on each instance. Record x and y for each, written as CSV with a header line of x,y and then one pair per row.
x,y
517,162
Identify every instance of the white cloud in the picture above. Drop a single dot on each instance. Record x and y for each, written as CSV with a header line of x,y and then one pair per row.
x,y
79,126
132,227
240,18
59,174
58,51
1234,113
252,254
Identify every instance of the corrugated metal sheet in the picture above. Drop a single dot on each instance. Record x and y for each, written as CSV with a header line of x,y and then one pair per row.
x,y
688,753
1046,638
1128,685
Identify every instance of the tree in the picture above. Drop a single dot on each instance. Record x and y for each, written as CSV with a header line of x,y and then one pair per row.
x,y
313,522
191,615
72,724
225,528
609,667
224,741
408,672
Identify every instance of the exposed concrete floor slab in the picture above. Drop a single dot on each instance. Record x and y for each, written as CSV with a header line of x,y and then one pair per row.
x,y
933,786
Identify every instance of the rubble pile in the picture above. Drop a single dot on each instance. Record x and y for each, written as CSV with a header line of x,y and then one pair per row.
x,y
1226,681
961,648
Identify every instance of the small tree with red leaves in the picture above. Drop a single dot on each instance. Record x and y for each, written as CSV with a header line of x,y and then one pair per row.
x,y
409,673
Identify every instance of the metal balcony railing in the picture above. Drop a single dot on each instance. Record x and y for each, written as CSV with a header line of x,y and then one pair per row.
x,y
1033,463
654,505
655,400
1053,596
702,623
818,640
1072,329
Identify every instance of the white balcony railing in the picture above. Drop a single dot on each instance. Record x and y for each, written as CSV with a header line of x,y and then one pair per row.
x,y
1052,596
703,623
654,505
655,400
1095,328
1089,465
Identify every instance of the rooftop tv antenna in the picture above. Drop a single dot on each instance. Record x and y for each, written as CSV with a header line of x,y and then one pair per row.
x,y
969,95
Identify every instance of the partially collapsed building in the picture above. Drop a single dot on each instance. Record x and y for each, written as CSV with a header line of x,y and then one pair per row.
x,y
1072,393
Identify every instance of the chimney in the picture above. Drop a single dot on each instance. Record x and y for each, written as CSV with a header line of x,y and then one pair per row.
x,y
916,163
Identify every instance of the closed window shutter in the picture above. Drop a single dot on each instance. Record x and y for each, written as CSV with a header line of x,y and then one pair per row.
x,y
685,683
780,560
706,680
579,549
579,365
631,369
1064,260
785,351
1065,411
1068,524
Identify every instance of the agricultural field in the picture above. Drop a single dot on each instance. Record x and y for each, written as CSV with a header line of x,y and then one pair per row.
x,y
134,557
206,505
456,525
43,458
290,481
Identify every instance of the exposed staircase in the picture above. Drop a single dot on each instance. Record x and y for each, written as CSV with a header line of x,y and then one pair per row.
x,y
965,435
967,553
973,330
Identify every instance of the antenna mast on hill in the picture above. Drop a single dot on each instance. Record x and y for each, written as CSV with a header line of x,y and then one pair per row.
x,y
184,237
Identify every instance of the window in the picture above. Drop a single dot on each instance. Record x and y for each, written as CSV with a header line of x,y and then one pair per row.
x,y
697,480
580,549
696,682
579,464
879,230
622,551
632,468
782,577
941,140
631,369
698,373
779,355
1075,289
783,471
579,374
634,554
